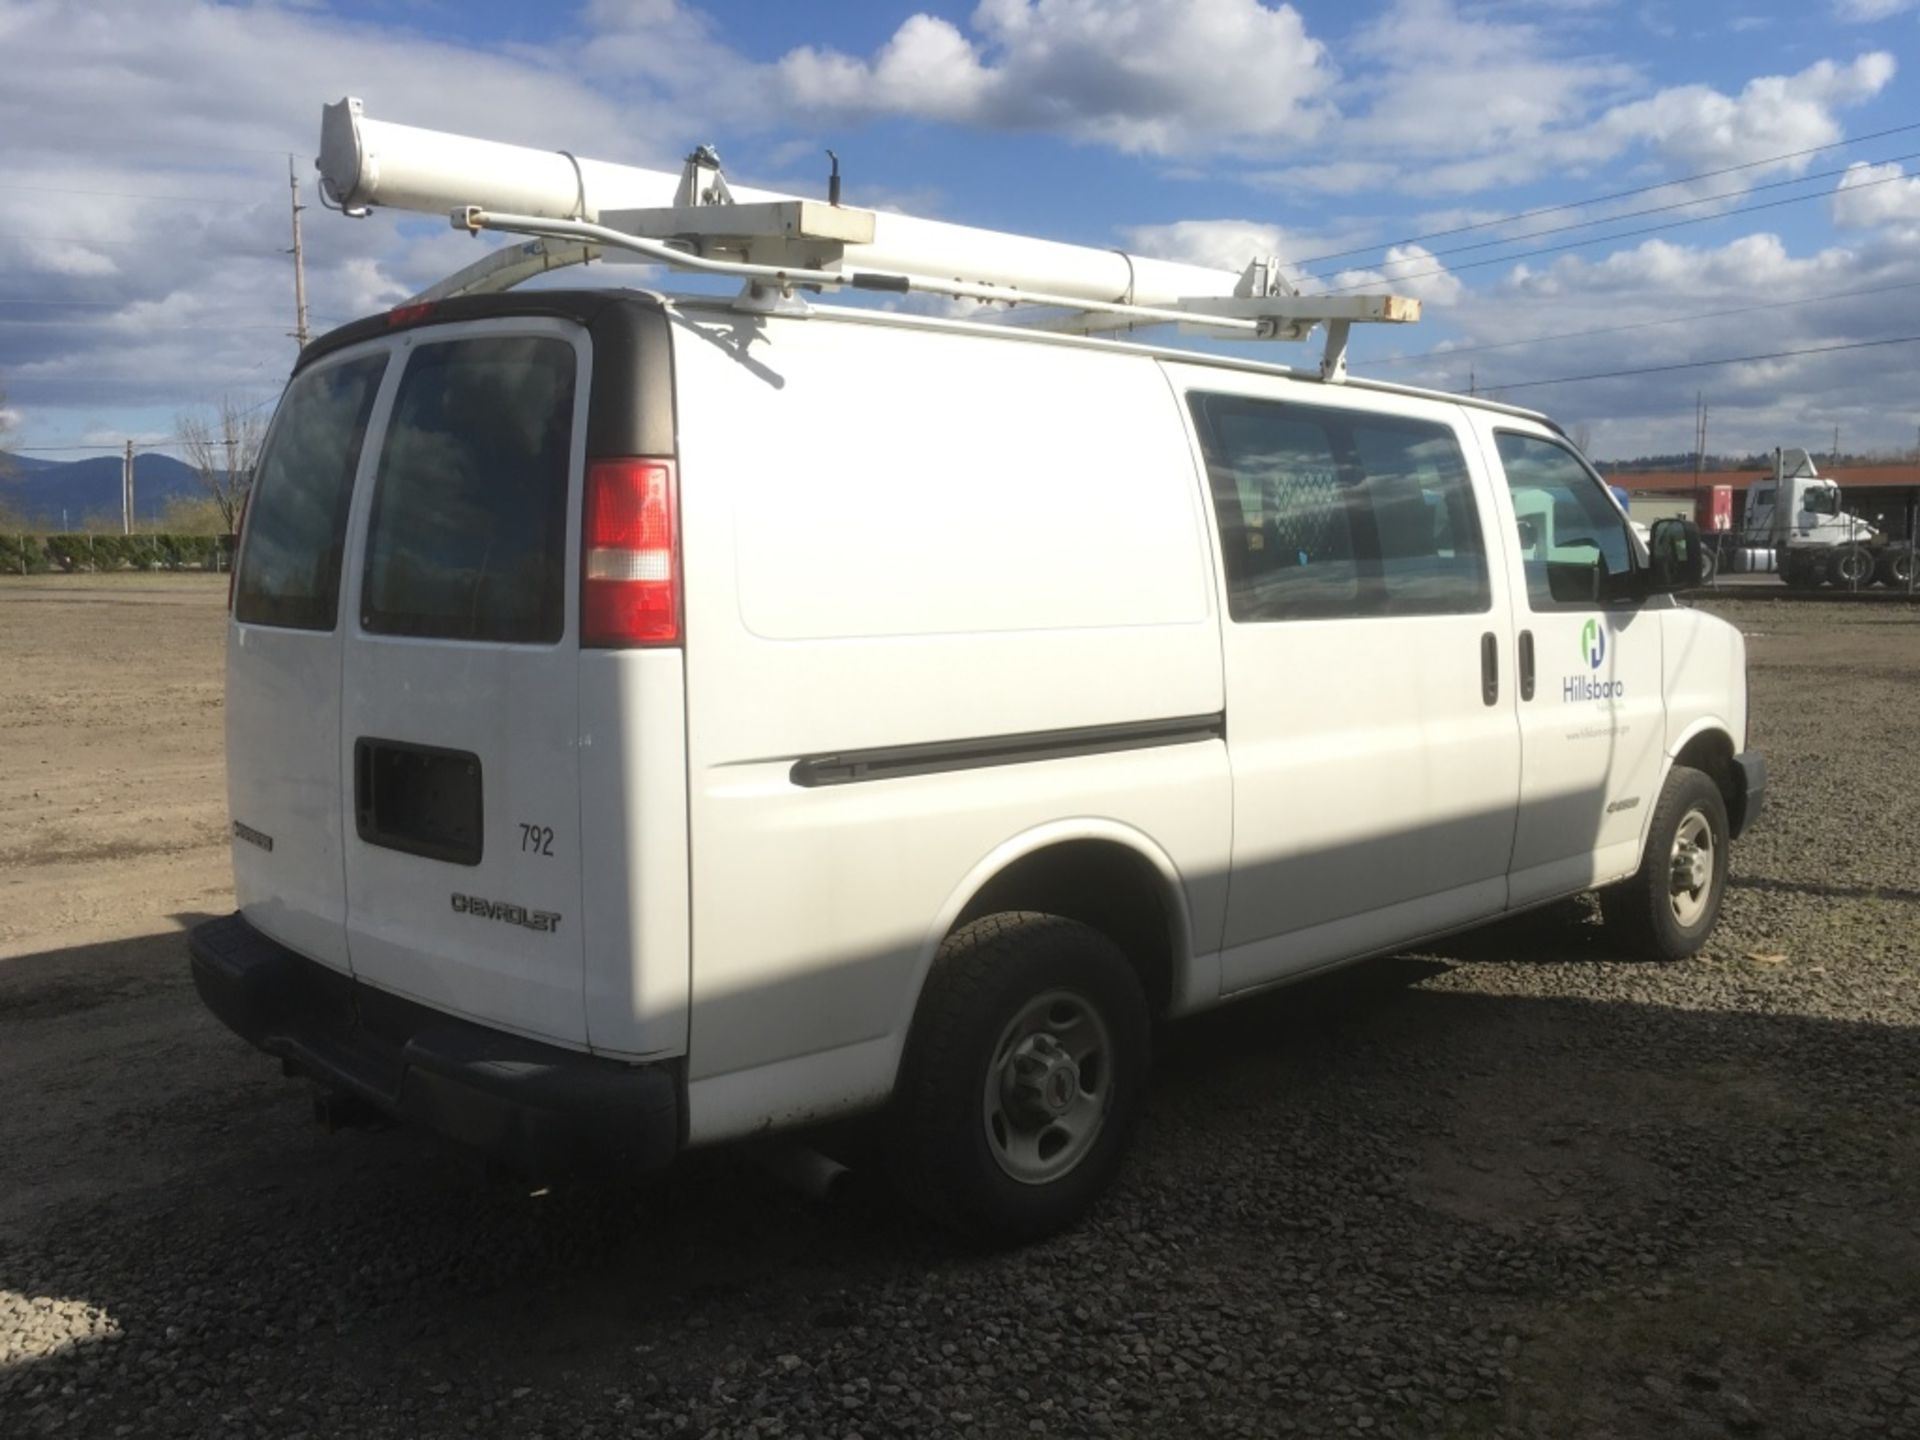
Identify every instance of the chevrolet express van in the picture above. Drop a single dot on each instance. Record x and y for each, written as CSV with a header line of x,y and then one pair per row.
x,y
652,725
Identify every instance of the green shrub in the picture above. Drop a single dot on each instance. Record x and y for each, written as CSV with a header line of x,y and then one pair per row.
x,y
89,554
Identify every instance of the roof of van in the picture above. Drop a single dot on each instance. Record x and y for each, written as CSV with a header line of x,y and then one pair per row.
x,y
585,305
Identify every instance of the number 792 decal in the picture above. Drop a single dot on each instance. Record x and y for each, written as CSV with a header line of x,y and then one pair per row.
x,y
536,839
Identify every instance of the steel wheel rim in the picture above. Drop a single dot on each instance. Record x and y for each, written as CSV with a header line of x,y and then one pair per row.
x,y
1690,884
1049,1085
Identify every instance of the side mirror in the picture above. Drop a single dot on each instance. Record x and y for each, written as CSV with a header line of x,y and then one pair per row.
x,y
1678,559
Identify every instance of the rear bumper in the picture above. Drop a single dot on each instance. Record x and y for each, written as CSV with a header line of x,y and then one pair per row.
x,y
537,1108
1750,792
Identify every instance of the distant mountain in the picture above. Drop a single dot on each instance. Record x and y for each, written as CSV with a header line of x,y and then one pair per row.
x,y
11,464
42,490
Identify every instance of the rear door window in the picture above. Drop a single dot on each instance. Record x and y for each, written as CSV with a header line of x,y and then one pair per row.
x,y
297,511
467,538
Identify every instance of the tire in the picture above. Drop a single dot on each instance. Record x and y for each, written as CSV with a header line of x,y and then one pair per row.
x,y
1801,573
1652,914
1016,1007
1709,565
1850,568
1896,568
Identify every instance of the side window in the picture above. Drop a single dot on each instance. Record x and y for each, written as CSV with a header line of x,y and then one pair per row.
x,y
297,511
1327,513
1574,542
467,539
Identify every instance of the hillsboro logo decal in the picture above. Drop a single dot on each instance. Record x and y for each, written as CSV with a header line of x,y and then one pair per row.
x,y
1593,644
1593,649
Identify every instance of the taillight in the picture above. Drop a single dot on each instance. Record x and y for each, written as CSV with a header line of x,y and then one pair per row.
x,y
630,562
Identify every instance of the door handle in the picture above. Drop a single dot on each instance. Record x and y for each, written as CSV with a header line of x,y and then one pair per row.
x,y
1489,668
1526,664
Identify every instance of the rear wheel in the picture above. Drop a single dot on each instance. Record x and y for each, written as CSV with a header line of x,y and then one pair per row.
x,y
1668,909
1025,1075
1896,569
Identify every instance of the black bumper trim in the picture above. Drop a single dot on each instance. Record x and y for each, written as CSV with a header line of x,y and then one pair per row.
x,y
538,1108
1750,785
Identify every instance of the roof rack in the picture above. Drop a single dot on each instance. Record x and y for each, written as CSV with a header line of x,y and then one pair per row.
x,y
579,210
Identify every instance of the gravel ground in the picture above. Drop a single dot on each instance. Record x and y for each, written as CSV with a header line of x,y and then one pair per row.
x,y
1522,1187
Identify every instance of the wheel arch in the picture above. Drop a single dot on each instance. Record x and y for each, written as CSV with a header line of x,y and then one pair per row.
x,y
1708,746
1097,871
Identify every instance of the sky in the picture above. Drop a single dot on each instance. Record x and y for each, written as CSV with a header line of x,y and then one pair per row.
x,y
144,199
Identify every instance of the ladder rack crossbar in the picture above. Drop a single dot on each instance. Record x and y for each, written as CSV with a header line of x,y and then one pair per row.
x,y
785,279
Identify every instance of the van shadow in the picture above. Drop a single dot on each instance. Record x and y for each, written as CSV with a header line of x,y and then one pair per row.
x,y
1391,1110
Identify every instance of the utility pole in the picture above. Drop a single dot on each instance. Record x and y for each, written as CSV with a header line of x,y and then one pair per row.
x,y
126,491
300,333
1836,447
1699,437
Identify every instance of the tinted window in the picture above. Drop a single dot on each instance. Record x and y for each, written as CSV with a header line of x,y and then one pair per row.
x,y
1574,541
467,540
1332,513
297,513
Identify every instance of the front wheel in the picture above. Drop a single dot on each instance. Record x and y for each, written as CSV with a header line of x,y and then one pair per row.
x,y
1024,1077
1668,909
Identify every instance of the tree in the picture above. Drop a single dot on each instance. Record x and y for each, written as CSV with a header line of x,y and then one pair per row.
x,y
6,424
222,449
10,518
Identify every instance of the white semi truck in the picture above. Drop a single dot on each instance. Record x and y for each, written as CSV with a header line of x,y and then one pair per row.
x,y
1797,517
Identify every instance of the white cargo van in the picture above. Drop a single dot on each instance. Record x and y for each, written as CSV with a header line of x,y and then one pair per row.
x,y
651,726
660,722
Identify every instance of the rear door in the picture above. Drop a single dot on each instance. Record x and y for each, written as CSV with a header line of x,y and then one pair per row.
x,y
283,659
459,717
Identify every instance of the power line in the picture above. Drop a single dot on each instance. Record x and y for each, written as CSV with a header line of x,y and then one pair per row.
x,y
127,195
1703,364
125,142
1444,354
143,326
1615,195
1599,239
68,449
1685,204
118,244
11,300
109,304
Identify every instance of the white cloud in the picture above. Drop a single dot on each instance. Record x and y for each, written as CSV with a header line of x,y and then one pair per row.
x,y
1439,82
1231,244
1586,302
1865,11
1407,270
164,302
1873,195
1694,127
1144,76
1454,101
